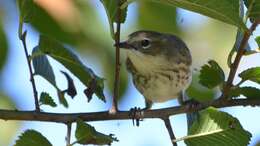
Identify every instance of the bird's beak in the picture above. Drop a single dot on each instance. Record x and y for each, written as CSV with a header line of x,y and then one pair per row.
x,y
124,45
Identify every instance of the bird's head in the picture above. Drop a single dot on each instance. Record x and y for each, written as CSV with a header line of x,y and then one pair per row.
x,y
151,43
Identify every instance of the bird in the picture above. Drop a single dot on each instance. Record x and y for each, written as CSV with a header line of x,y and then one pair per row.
x,y
160,64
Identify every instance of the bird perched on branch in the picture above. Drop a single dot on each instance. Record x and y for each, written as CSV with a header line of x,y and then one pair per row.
x,y
160,65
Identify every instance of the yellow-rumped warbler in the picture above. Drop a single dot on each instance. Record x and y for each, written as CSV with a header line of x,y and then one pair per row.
x,y
159,63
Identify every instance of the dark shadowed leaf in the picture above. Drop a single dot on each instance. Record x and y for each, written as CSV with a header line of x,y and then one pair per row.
x,y
111,8
158,17
86,134
249,92
46,99
3,46
32,138
71,61
252,74
217,128
211,75
71,90
224,10
42,66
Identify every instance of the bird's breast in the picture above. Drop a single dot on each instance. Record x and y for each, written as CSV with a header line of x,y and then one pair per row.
x,y
156,79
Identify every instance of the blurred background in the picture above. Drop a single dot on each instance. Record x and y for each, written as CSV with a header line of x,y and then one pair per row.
x,y
83,26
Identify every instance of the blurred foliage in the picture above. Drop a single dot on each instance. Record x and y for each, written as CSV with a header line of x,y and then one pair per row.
x,y
3,45
158,17
198,92
8,128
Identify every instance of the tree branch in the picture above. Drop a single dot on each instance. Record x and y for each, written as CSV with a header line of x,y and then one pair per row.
x,y
23,39
168,126
239,55
114,108
122,115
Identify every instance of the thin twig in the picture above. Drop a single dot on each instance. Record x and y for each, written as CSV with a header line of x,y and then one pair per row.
x,y
240,53
23,39
114,108
68,137
122,115
168,126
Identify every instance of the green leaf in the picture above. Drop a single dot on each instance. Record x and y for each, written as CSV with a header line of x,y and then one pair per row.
x,y
71,61
42,66
257,39
249,92
253,8
252,74
32,138
217,128
150,13
86,134
3,46
111,7
224,10
211,75
46,99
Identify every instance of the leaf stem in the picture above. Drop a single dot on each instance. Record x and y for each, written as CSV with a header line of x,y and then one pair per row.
x,y
168,126
68,137
114,108
235,64
36,102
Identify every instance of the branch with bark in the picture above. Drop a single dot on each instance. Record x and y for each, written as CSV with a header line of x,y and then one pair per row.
x,y
122,115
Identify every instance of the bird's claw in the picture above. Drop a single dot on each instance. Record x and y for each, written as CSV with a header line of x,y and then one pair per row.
x,y
191,104
136,115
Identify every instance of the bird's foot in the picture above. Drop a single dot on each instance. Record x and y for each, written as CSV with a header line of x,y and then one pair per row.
x,y
136,114
191,104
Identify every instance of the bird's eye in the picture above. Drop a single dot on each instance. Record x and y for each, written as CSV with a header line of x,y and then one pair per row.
x,y
145,43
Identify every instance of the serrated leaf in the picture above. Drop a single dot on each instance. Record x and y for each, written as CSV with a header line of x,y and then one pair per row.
x,y
86,134
217,128
71,90
32,138
3,46
252,74
46,99
71,61
257,39
224,10
42,66
253,7
249,92
111,7
211,75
